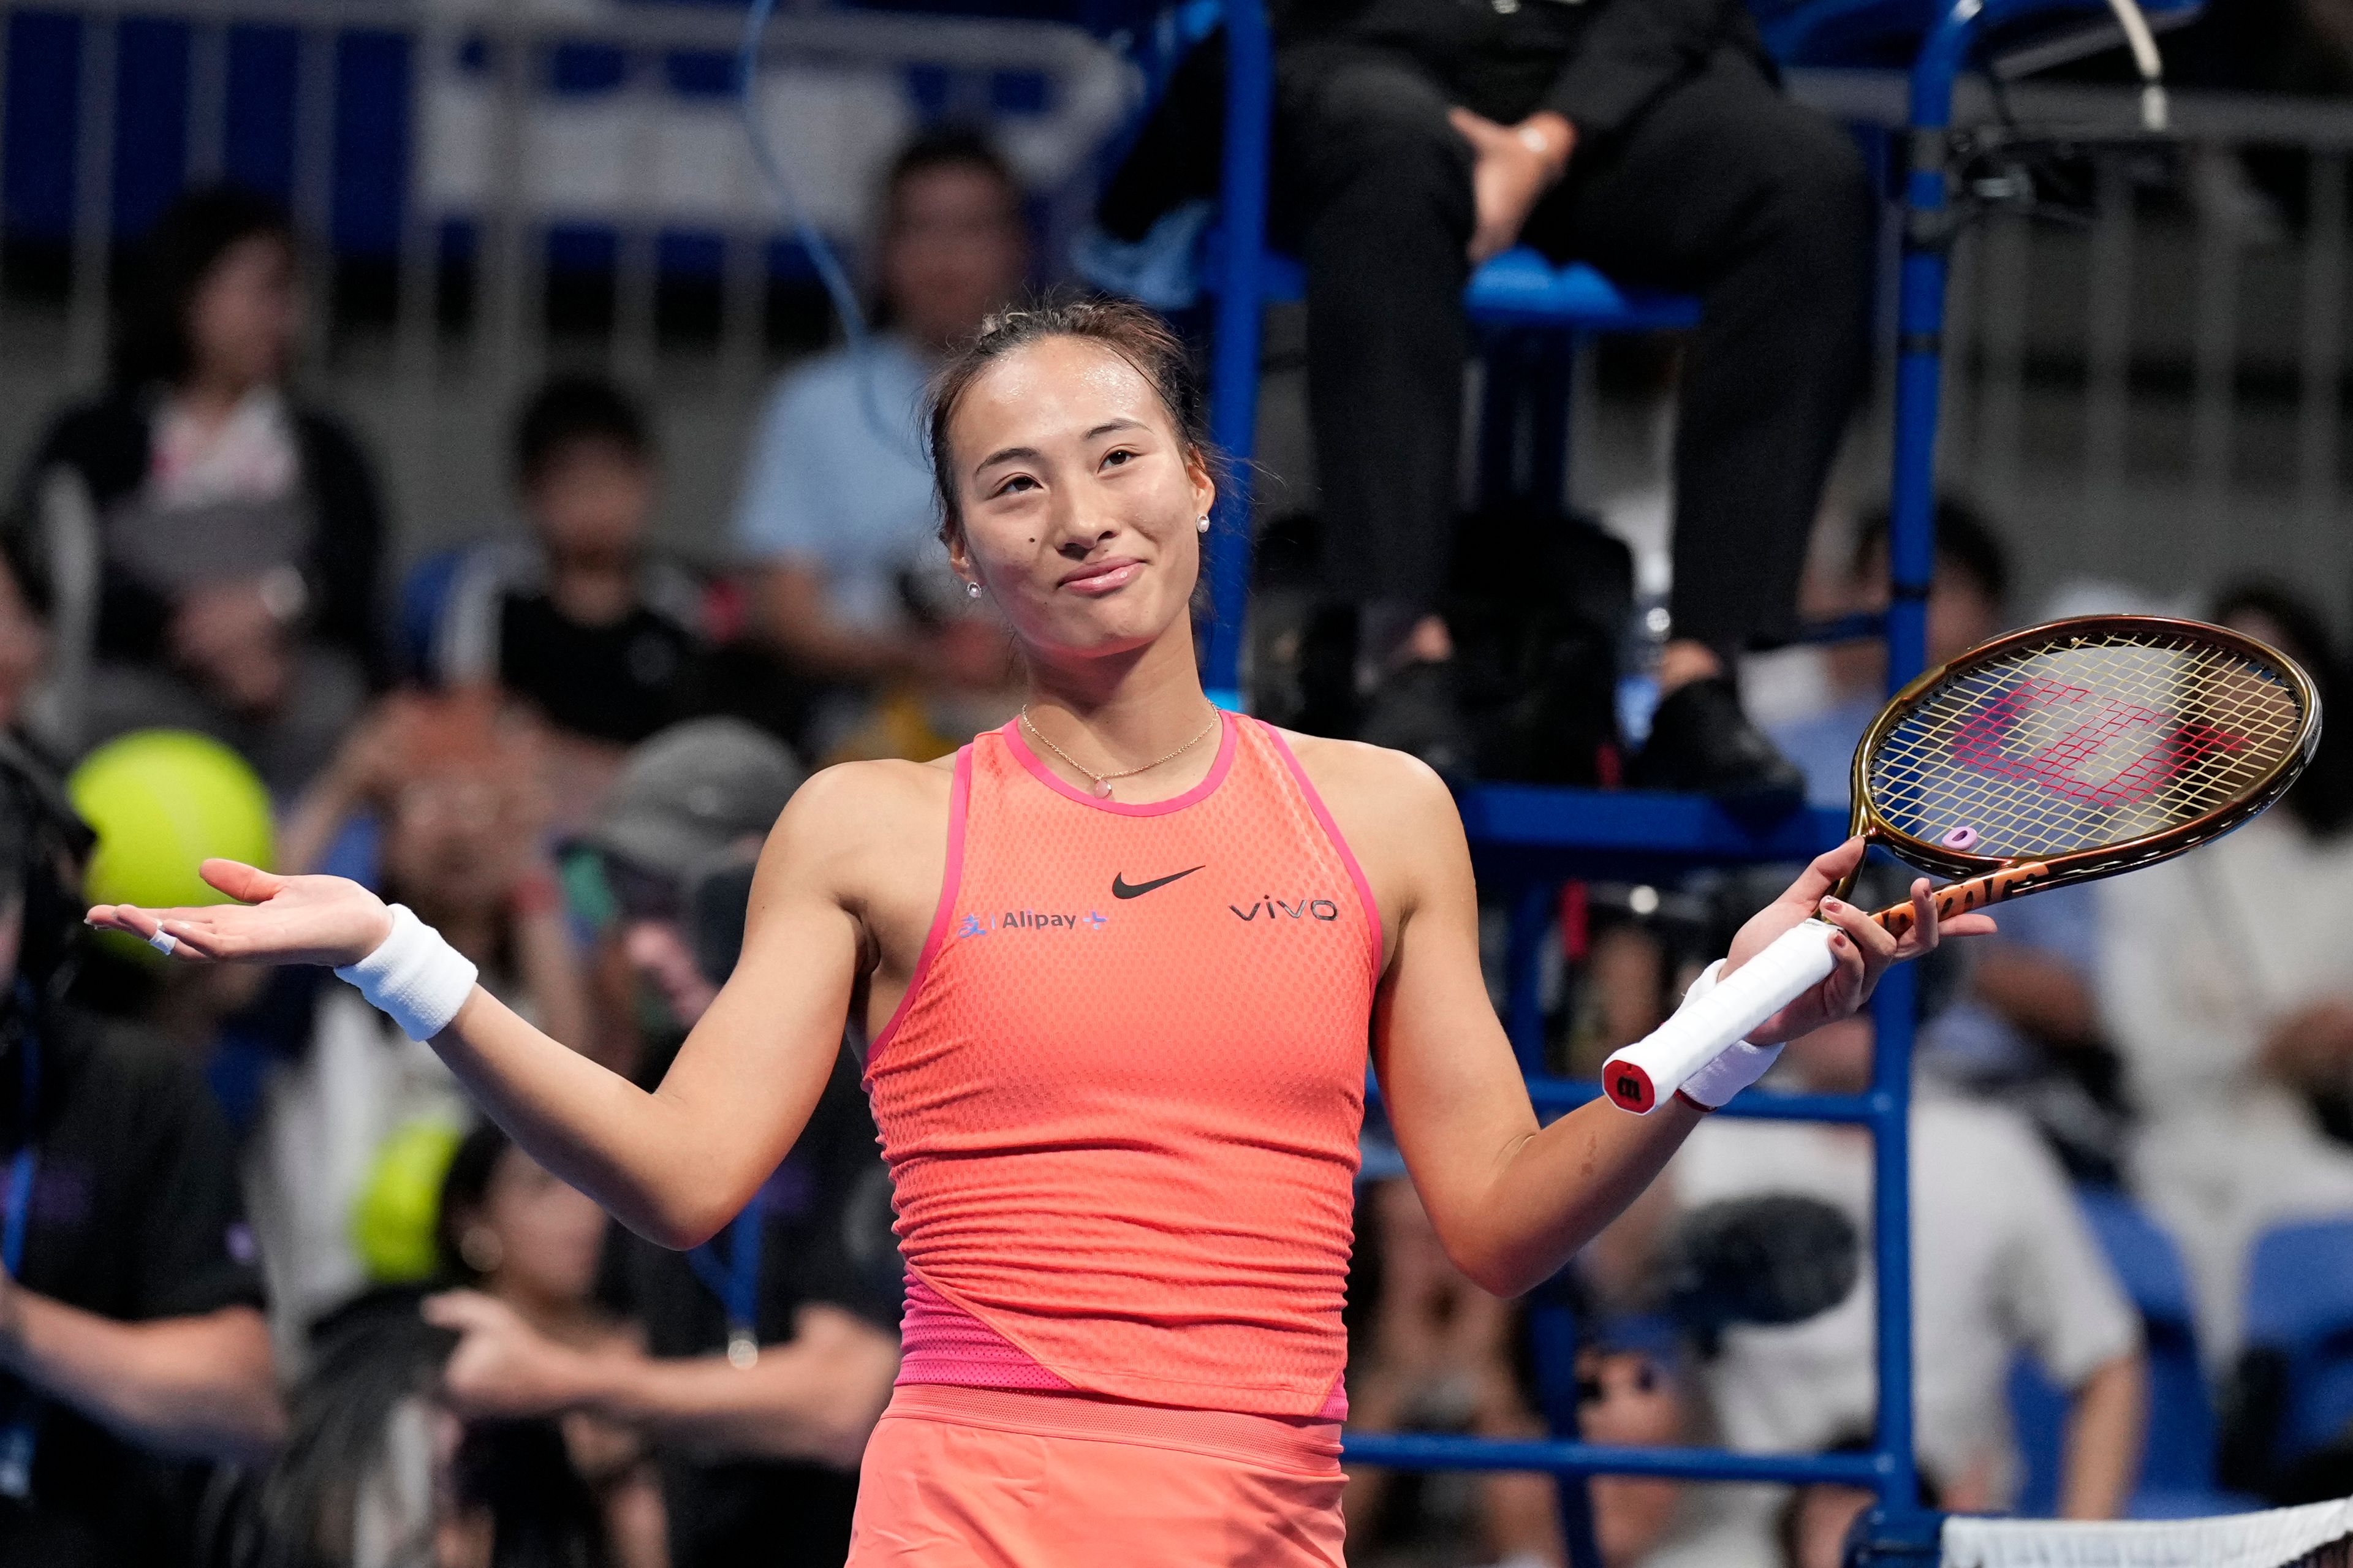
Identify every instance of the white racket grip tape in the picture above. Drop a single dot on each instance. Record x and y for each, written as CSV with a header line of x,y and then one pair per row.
x,y
414,977
1650,1069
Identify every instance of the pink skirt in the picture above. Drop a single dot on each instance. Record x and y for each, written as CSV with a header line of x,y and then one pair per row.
x,y
984,1478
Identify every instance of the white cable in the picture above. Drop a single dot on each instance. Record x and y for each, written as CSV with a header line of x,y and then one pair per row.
x,y
2145,56
414,977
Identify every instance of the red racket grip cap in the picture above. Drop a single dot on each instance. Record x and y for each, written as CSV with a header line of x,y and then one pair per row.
x,y
1629,1088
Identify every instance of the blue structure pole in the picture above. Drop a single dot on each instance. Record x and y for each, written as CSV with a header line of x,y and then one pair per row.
x,y
1890,1228
1919,340
1233,374
1919,361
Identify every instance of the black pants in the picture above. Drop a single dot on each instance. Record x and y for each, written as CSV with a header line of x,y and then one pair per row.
x,y
1720,187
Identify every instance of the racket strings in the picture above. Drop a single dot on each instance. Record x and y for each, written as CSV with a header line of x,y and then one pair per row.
x,y
2083,743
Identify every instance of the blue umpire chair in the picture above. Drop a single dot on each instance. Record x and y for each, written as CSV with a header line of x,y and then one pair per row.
x,y
1525,840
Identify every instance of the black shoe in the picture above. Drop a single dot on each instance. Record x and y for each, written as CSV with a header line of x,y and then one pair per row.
x,y
1703,744
1415,710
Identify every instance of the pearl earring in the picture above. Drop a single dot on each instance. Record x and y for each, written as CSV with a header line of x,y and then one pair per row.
x,y
971,590
1202,526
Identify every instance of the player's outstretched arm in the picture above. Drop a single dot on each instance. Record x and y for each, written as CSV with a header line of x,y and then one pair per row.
x,y
675,1164
1512,1200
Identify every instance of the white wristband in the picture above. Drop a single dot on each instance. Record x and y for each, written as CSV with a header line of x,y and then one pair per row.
x,y
1737,1067
415,977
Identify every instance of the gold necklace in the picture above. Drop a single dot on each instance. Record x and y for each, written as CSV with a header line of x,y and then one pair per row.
x,y
1102,785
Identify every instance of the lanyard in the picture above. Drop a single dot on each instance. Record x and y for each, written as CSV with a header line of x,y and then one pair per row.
x,y
21,1170
737,1282
18,1436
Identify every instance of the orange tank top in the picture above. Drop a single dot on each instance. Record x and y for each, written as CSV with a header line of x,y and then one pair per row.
x,y
1121,1100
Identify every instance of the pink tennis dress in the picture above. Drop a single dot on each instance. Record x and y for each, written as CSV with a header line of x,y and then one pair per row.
x,y
1119,1104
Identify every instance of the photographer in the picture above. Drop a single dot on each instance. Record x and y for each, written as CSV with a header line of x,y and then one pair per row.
x,y
131,1337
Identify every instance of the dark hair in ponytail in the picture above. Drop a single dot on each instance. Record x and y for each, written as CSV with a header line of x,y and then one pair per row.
x,y
1127,329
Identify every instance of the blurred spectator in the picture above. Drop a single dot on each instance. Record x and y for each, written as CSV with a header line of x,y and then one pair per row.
x,y
1436,1356
579,620
451,784
1815,1519
1967,603
2002,1263
1634,1397
2227,977
525,1247
377,1470
23,650
1414,139
770,1351
673,854
837,518
1815,1524
204,546
131,1338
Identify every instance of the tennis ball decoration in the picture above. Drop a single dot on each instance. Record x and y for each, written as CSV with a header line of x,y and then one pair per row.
x,y
398,1215
162,802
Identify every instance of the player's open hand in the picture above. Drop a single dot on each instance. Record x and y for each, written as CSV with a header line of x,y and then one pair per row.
x,y
279,919
1861,948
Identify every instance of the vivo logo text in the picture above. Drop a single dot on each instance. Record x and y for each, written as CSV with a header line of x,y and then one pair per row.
x,y
1275,909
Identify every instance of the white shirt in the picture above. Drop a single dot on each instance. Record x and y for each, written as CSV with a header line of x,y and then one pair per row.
x,y
838,480
2199,957
2002,1261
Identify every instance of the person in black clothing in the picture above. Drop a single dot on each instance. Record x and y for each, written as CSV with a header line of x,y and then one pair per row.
x,y
204,546
605,638
1416,138
131,1338
770,1351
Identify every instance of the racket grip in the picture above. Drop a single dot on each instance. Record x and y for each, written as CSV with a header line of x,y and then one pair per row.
x,y
1960,897
1650,1069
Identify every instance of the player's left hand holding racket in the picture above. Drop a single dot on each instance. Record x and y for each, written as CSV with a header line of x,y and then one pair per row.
x,y
2067,751
1858,947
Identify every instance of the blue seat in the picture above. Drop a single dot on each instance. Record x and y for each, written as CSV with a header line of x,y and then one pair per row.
x,y
2177,1473
1521,288
2300,1304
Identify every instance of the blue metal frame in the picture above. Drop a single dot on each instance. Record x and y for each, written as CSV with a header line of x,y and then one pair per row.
x,y
1531,838
1233,396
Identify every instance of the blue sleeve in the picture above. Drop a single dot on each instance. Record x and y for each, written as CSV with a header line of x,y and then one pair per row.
x,y
782,506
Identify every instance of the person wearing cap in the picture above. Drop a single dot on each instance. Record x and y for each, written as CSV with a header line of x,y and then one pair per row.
x,y
132,1338
449,786
770,1351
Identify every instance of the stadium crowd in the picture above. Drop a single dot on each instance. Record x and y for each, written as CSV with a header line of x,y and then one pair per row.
x,y
276,1296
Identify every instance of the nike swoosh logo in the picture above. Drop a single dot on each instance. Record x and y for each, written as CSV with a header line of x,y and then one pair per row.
x,y
1122,889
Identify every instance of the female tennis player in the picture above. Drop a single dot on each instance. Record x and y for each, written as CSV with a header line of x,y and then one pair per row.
x,y
1115,968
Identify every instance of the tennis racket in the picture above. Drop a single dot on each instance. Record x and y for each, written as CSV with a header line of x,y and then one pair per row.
x,y
2059,753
